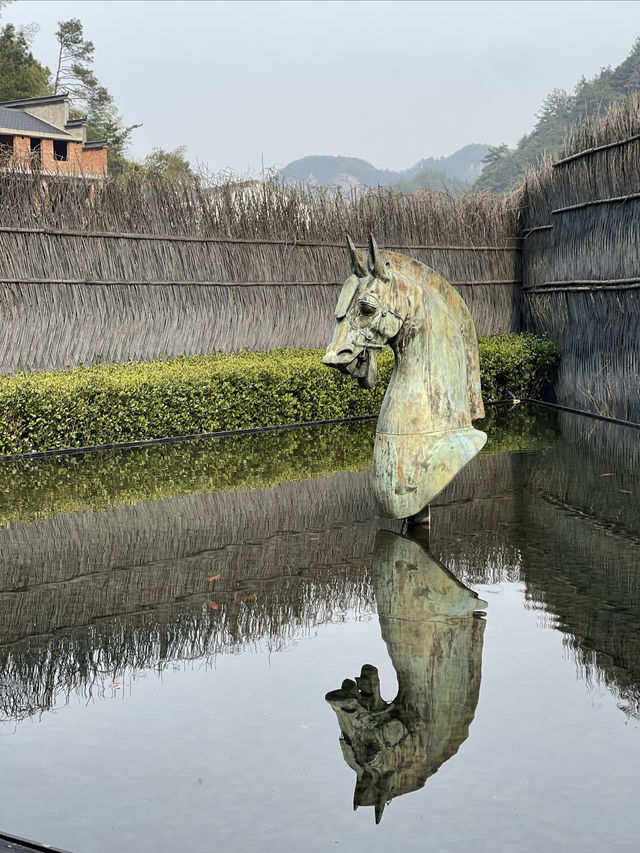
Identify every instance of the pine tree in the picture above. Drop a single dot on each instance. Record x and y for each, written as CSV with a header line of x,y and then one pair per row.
x,y
21,75
75,75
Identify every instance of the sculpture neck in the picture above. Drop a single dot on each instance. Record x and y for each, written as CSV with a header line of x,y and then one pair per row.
x,y
406,404
428,388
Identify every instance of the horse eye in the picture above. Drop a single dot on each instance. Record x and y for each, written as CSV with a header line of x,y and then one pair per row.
x,y
367,308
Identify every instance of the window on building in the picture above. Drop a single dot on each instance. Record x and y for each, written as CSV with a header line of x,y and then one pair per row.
x,y
6,147
59,149
35,151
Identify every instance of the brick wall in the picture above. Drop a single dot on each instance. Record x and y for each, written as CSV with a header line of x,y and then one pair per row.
x,y
79,161
94,161
21,148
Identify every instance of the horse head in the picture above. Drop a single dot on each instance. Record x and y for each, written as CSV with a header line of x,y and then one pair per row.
x,y
424,434
370,313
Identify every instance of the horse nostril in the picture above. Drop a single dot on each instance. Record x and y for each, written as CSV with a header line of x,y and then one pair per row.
x,y
346,351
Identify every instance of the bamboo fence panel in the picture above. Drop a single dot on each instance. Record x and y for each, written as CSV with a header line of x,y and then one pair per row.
x,y
121,270
581,262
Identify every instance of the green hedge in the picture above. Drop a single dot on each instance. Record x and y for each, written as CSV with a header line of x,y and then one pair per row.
x,y
110,403
522,364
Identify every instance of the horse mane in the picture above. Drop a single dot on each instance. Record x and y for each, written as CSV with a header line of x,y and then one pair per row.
x,y
429,279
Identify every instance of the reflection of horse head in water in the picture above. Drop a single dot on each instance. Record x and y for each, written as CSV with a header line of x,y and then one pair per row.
x,y
424,434
428,620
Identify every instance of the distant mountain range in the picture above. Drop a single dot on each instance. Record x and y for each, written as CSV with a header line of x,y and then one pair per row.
x,y
455,173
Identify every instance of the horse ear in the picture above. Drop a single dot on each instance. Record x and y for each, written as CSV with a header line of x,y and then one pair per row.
x,y
358,264
376,262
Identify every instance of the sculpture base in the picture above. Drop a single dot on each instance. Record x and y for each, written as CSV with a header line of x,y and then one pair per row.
x,y
409,471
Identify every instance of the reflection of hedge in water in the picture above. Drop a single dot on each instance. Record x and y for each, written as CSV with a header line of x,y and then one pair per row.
x,y
40,488
526,427
96,481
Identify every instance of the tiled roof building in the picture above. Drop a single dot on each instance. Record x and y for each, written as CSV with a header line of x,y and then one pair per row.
x,y
38,132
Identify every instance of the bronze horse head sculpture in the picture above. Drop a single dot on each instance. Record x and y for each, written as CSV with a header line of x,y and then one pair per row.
x,y
424,434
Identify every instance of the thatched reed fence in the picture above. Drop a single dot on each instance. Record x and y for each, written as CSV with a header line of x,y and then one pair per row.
x,y
137,269
581,262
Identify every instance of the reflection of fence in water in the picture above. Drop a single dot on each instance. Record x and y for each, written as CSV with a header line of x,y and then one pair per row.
x,y
551,521
580,542
90,594
473,521
284,596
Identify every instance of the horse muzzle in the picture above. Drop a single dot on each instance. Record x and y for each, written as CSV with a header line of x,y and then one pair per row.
x,y
356,361
341,358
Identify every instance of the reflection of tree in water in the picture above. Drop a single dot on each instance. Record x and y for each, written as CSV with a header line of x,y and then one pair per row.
x,y
435,645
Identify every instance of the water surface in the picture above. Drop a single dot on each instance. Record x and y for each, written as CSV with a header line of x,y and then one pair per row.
x,y
172,619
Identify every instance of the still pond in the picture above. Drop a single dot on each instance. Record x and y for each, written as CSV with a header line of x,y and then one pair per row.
x,y
172,619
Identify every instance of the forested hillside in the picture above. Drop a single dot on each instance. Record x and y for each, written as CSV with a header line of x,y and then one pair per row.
x,y
505,167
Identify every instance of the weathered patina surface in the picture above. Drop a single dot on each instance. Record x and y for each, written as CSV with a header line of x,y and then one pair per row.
x,y
435,645
424,434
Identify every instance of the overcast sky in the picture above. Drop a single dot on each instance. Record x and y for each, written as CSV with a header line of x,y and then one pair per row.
x,y
390,82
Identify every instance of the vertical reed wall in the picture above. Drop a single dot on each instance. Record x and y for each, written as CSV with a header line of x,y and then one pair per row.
x,y
581,262
136,270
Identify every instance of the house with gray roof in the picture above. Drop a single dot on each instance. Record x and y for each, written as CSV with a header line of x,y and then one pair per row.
x,y
38,133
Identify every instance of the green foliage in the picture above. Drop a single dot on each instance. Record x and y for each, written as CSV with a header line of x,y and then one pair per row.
x,y
522,364
172,165
111,403
21,76
199,394
75,56
505,168
89,97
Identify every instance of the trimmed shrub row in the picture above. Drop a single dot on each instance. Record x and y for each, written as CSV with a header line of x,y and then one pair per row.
x,y
111,403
